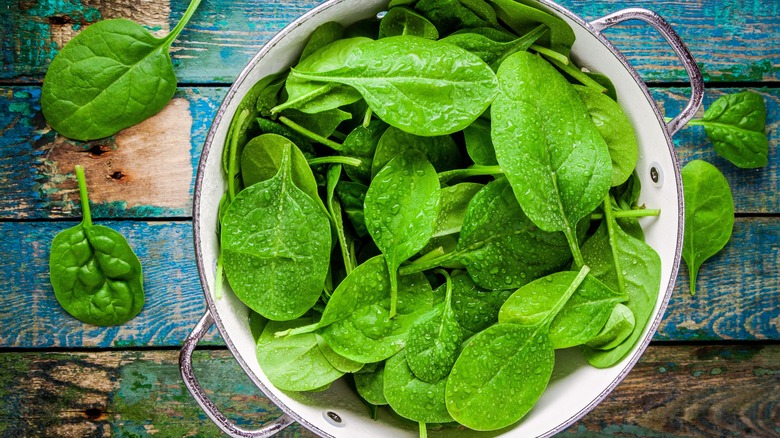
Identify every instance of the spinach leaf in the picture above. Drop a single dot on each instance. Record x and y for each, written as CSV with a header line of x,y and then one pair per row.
x,y
735,123
434,342
411,397
615,129
578,321
357,323
95,275
404,21
323,35
500,374
313,96
400,210
370,385
635,269
451,15
440,150
323,123
452,207
338,361
294,363
262,158
112,75
500,247
475,308
494,51
503,370
548,146
709,214
362,142
521,18
479,144
421,86
618,328
276,245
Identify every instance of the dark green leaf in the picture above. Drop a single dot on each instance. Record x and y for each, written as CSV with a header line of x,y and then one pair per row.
x,y
440,150
404,21
735,123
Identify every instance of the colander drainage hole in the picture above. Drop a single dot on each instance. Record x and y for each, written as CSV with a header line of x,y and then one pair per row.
x,y
333,418
657,175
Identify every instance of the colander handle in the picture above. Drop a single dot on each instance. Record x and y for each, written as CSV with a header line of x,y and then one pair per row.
x,y
682,52
188,374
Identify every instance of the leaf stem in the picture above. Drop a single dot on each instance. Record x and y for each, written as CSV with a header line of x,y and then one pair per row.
x,y
425,263
550,54
610,219
639,212
578,74
335,159
183,22
569,292
87,216
574,245
233,156
475,170
311,135
423,430
367,117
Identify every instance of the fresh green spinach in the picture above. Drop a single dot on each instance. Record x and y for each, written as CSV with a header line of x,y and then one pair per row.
x,y
111,76
95,274
709,215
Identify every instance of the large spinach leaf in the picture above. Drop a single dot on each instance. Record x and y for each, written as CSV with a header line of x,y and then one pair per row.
x,y
111,76
95,274
420,86
272,264
709,214
548,147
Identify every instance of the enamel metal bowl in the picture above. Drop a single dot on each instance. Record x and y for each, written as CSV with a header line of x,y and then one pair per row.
x,y
575,387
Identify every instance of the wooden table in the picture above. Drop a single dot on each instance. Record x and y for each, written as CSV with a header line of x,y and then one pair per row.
x,y
713,368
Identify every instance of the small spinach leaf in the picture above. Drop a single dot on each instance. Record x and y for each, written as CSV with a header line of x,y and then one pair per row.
x,y
440,150
522,18
112,75
479,143
362,142
323,35
352,197
95,274
404,21
709,214
411,397
371,385
475,308
452,209
618,328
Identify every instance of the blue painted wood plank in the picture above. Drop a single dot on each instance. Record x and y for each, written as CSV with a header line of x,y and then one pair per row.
x,y
673,391
31,317
737,296
733,40
36,177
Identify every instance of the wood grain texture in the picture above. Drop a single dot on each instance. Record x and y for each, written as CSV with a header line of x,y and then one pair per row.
x,y
147,171
733,40
144,171
672,391
737,296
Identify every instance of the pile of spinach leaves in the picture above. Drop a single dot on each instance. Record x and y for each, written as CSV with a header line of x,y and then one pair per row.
x,y
427,197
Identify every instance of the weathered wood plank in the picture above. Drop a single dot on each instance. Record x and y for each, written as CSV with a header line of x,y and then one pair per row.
x,y
733,40
148,170
673,391
737,296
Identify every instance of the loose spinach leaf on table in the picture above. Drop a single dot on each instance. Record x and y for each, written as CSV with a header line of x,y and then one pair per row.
x,y
112,75
735,123
548,147
275,243
400,210
421,86
95,274
709,214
